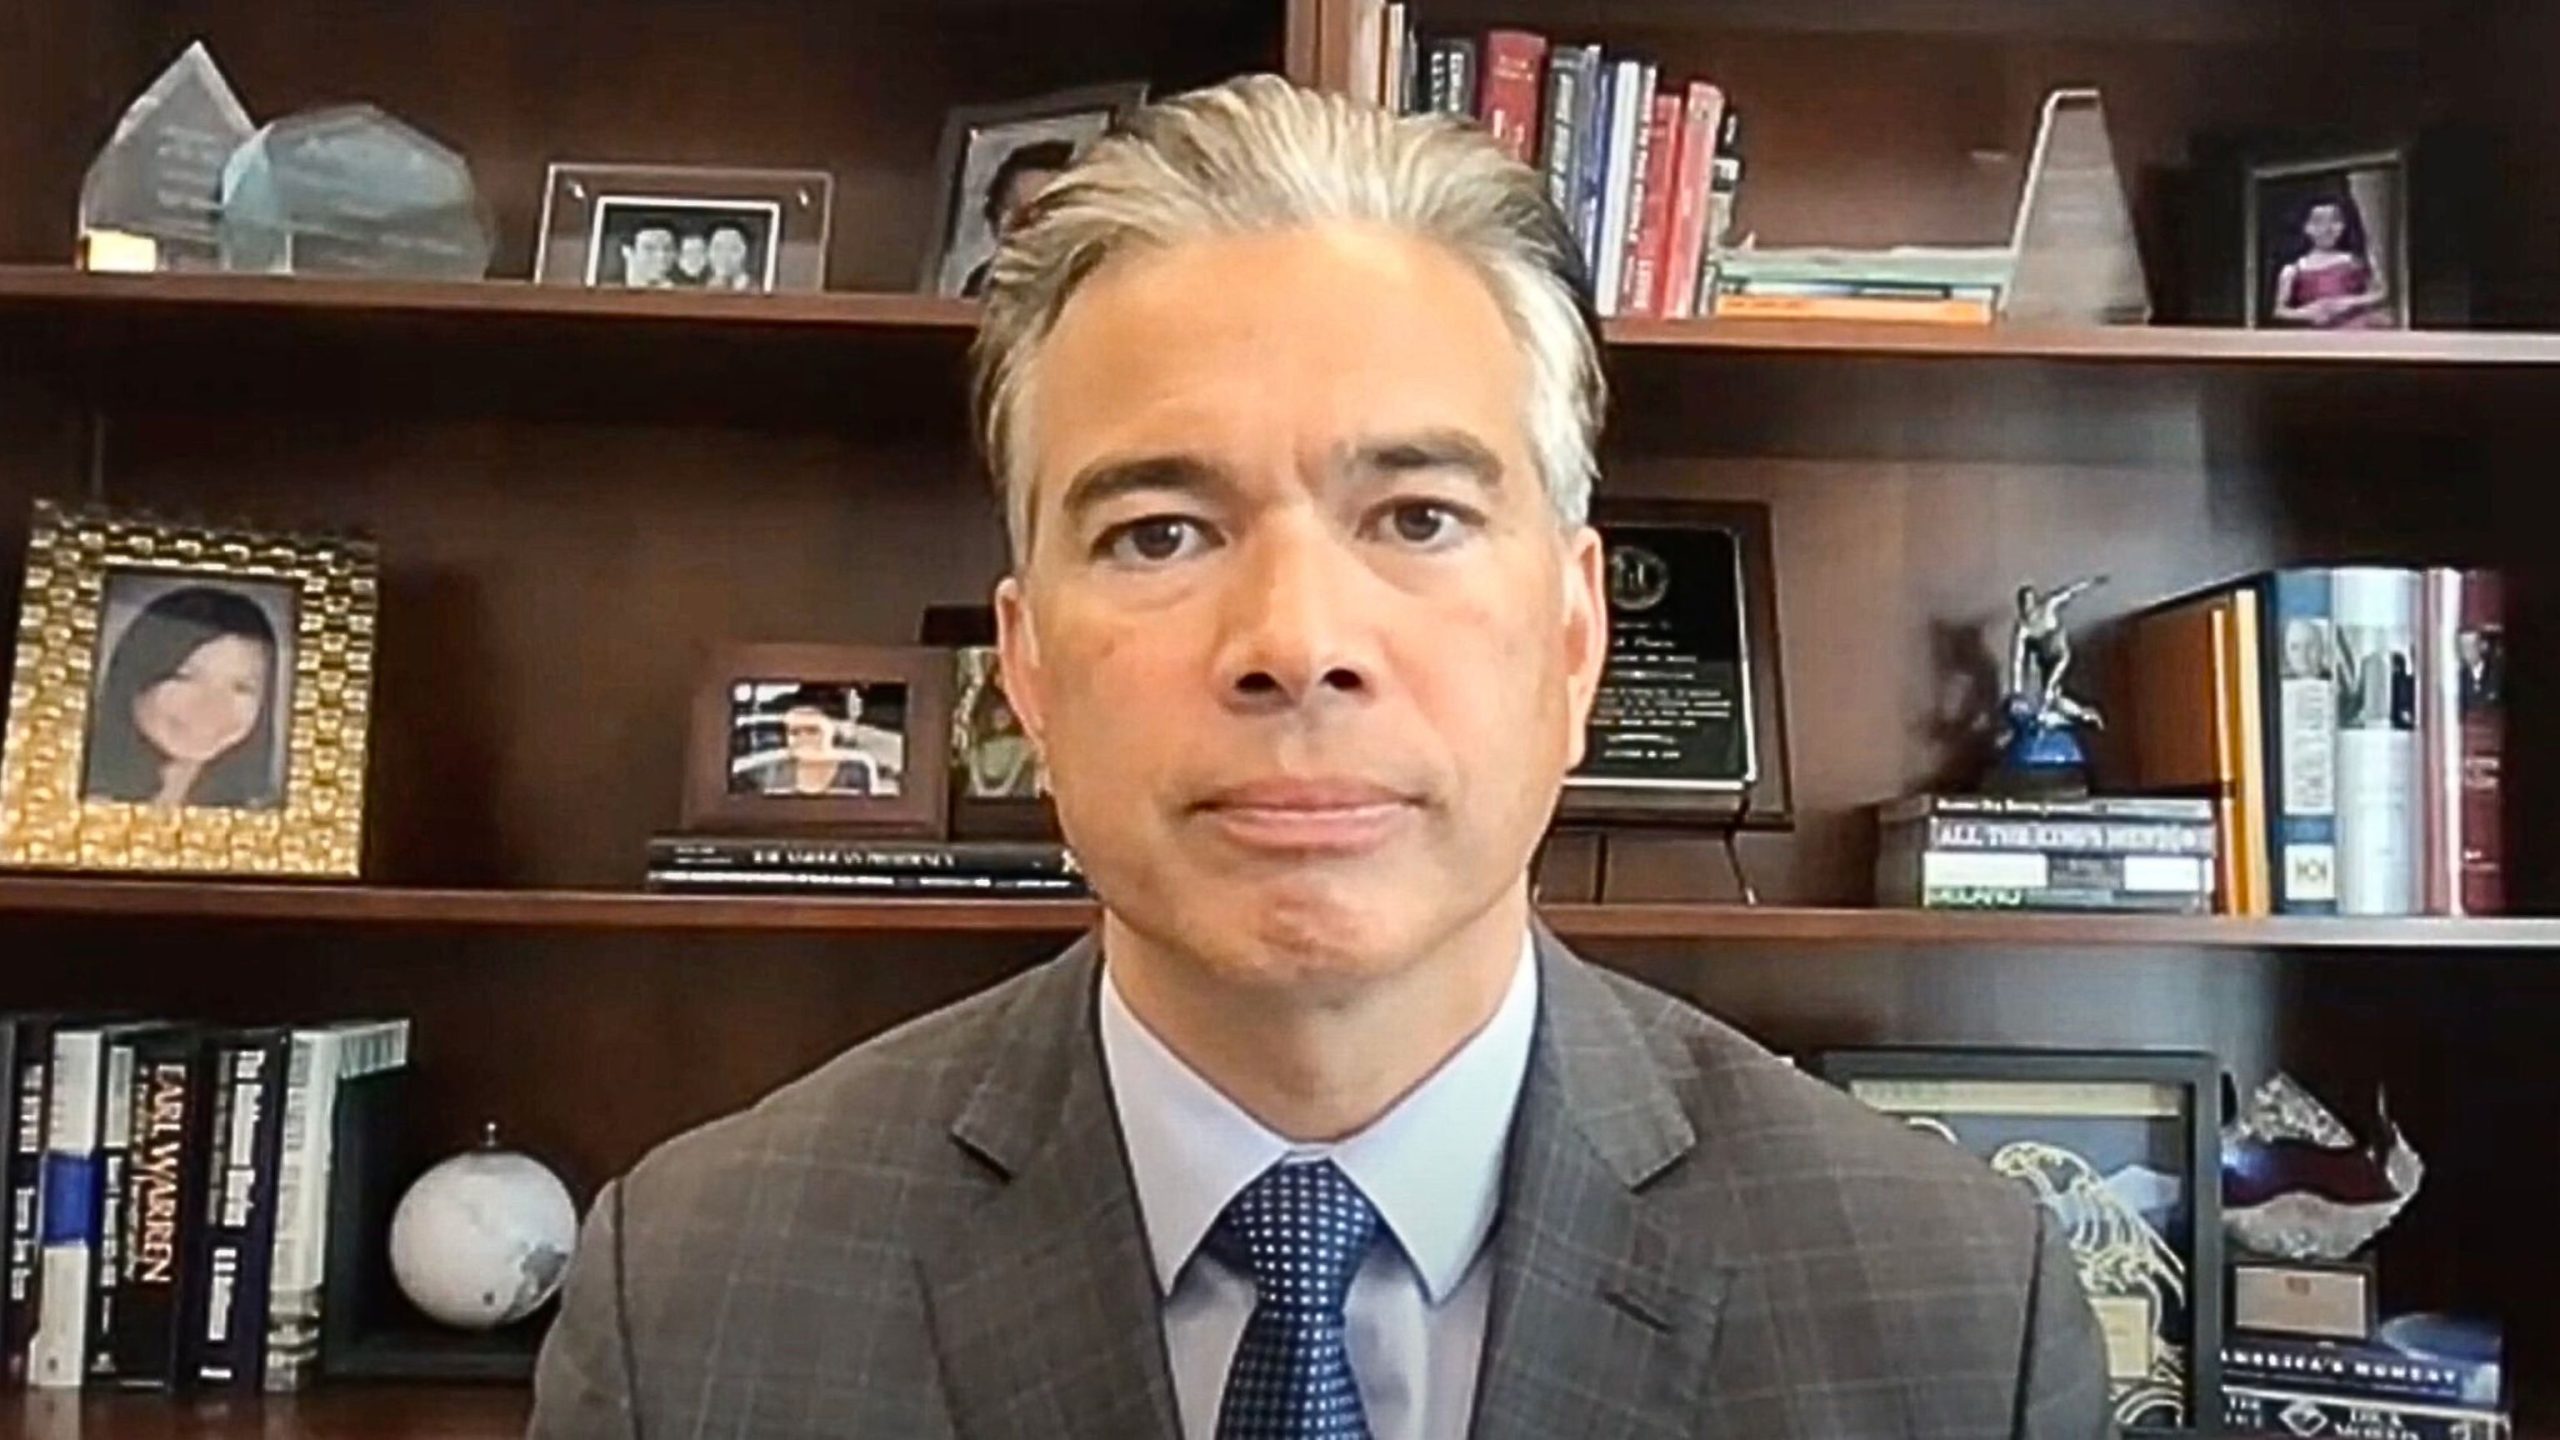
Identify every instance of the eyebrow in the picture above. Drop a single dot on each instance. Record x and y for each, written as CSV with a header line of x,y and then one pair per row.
x,y
1441,449
1107,480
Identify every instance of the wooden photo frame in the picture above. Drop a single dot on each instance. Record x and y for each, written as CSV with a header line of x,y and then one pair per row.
x,y
999,788
1750,789
188,699
2125,1148
796,739
705,230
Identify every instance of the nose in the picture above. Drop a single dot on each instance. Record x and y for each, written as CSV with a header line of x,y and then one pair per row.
x,y
1295,634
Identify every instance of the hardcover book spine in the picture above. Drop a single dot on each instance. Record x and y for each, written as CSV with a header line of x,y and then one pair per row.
x,y
57,1353
2302,743
115,1150
30,1053
1567,77
2480,659
2256,1410
1661,151
1066,887
1630,109
162,1207
2325,1368
1591,168
1466,76
227,1349
1693,175
982,858
323,1060
1724,197
1949,832
2439,743
1513,62
2376,617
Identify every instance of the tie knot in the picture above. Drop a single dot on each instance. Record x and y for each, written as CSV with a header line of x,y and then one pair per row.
x,y
1301,1231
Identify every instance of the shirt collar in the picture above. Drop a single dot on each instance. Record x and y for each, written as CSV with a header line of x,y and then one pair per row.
x,y
1432,1165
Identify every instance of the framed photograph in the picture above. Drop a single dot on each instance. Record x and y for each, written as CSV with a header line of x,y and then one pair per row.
x,y
188,700
999,787
994,158
841,739
2124,1148
2328,241
712,231
1689,728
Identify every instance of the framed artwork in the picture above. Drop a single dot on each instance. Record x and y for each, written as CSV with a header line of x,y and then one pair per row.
x,y
698,229
2124,1148
188,699
994,159
845,739
2328,242
1689,727
999,787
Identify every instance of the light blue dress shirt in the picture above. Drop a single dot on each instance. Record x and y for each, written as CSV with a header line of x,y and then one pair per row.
x,y
1432,1166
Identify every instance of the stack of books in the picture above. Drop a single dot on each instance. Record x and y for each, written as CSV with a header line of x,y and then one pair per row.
x,y
1914,284
2348,723
169,1193
2283,1385
1965,852
989,870
1646,167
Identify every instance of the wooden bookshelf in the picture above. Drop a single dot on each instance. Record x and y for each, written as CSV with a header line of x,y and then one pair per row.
x,y
393,1412
1676,923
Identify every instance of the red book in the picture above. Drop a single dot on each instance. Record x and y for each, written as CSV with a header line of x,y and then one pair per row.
x,y
2480,657
1643,292
1514,62
1693,177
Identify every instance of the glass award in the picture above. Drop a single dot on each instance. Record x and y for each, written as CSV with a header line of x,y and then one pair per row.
x,y
2077,260
152,196
351,191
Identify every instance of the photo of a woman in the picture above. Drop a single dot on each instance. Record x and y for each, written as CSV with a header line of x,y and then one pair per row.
x,y
191,681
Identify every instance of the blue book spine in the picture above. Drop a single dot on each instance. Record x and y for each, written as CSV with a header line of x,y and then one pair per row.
x,y
2301,704
1591,178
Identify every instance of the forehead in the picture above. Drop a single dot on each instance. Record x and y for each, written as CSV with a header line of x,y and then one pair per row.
x,y
1304,338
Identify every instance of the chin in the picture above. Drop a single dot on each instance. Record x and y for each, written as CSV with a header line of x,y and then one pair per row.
x,y
1298,932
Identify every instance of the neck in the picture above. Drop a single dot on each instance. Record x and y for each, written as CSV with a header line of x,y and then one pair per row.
x,y
1319,1067
177,778
814,774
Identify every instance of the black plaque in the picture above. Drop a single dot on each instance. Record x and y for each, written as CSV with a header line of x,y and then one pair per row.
x,y
1686,728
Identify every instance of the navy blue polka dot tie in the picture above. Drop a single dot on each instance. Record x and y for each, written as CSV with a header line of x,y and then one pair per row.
x,y
1301,1232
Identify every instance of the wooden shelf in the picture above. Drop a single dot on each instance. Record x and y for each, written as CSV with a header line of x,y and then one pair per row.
x,y
352,1412
64,896
65,293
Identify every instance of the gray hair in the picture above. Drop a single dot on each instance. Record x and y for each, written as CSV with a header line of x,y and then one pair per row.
x,y
1260,154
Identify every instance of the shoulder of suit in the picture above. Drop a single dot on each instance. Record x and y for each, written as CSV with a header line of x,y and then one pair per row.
x,y
1799,1146
883,1107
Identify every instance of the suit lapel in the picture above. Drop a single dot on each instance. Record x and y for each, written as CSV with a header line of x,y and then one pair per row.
x,y
1043,1302
1602,1319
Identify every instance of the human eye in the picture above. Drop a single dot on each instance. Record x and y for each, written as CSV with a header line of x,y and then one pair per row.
x,y
1153,540
1425,523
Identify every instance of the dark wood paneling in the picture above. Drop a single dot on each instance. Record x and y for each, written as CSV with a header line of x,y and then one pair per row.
x,y
377,1412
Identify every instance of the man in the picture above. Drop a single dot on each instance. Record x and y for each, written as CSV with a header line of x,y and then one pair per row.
x,y
811,761
693,261
1023,173
1293,407
648,257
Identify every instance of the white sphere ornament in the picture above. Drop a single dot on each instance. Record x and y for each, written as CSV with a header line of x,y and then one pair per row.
x,y
484,1238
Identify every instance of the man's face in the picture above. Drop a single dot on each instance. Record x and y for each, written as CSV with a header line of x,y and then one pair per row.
x,y
1298,634
728,253
807,733
646,258
693,256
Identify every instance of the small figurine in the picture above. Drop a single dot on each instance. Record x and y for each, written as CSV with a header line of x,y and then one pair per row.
x,y
2042,757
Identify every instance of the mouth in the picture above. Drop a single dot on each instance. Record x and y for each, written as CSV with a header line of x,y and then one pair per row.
x,y
1308,818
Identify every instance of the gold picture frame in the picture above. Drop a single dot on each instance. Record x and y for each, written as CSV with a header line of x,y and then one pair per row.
x,y
230,669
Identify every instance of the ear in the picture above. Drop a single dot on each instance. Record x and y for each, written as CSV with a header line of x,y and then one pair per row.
x,y
1018,655
1586,630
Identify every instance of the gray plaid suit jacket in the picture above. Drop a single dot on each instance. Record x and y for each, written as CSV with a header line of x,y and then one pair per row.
x,y
935,1235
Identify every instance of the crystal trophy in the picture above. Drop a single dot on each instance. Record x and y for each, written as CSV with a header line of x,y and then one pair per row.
x,y
2077,259
351,191
153,195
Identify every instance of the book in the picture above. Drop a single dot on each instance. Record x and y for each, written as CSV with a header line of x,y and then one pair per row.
x,y
324,1060
1572,75
115,1147
2298,669
1367,61
2462,742
2370,1370
160,1209
2375,613
2179,722
2237,686
1591,167
1693,174
2159,809
1449,86
1513,63
2084,837
1911,876
67,1209
1650,250
2272,1410
1396,64
917,884
1734,305
1630,111
27,1041
729,853
226,1342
